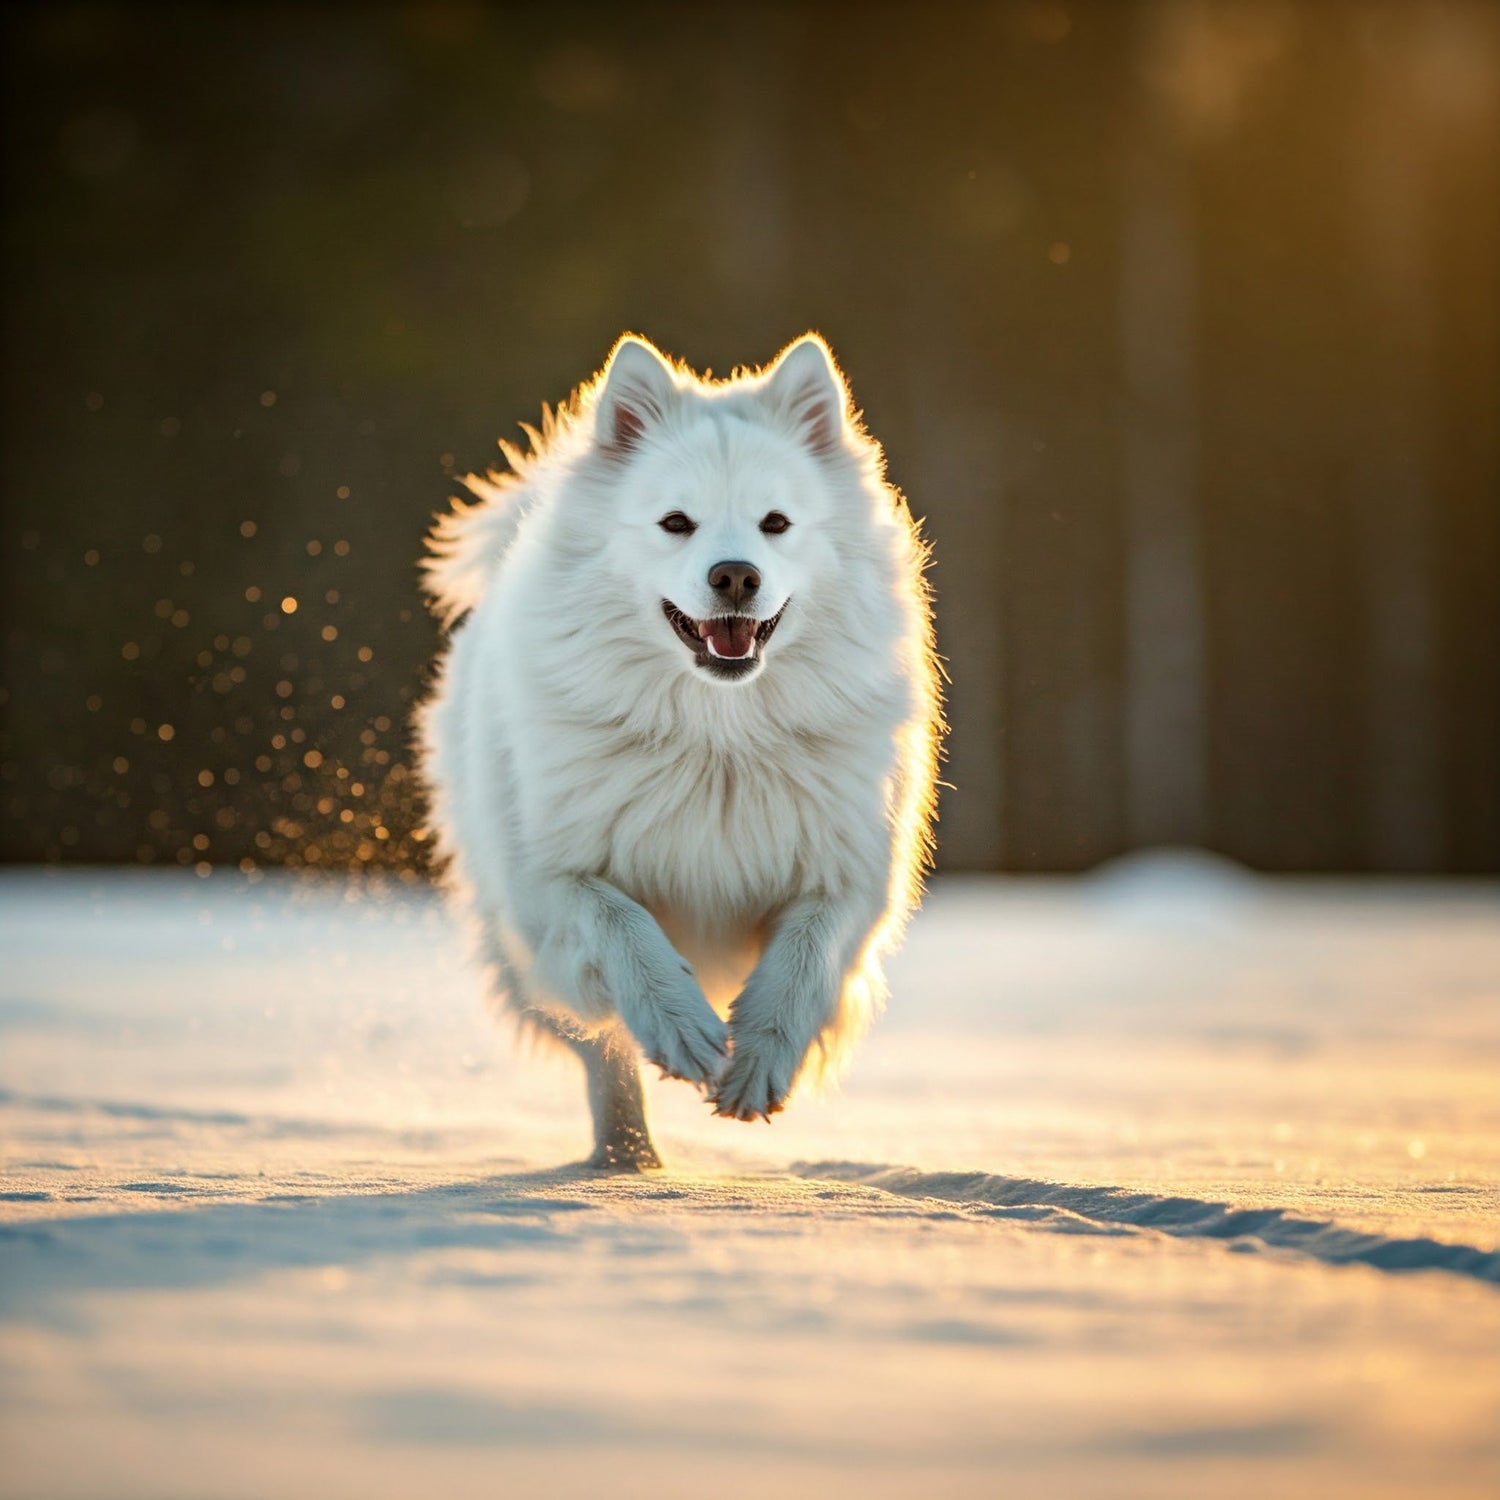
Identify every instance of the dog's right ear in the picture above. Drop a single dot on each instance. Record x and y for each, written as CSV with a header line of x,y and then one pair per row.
x,y
638,388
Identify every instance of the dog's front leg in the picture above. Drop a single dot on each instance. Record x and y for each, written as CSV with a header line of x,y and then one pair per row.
x,y
791,996
603,954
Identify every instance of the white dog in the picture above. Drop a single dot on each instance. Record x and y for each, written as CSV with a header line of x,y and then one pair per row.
x,y
683,745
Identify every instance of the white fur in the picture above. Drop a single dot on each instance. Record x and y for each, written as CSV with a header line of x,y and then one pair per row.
x,y
650,850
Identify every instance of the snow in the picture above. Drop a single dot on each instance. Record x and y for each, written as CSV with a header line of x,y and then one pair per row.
x,y
1161,1182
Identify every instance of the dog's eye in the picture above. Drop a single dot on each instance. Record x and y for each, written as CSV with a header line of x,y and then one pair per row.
x,y
774,524
677,523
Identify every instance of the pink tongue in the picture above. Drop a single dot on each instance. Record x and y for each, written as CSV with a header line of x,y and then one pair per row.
x,y
729,636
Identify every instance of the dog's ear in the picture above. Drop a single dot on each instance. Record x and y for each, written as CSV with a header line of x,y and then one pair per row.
x,y
806,388
638,388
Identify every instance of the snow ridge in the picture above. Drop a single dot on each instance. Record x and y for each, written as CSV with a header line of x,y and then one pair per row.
x,y
1070,1209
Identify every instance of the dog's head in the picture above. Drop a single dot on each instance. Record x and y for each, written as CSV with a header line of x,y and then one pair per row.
x,y
726,500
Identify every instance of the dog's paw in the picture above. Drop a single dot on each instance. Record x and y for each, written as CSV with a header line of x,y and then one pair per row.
x,y
758,1080
679,1032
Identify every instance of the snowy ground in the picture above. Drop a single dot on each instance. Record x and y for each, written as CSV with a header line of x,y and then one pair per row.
x,y
1165,1182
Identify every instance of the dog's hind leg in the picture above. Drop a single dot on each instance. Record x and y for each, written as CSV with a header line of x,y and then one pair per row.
x,y
622,1139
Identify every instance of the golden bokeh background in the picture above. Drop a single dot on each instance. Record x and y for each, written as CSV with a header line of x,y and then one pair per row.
x,y
1179,321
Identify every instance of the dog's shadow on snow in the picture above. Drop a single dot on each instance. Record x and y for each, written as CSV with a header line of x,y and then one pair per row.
x,y
201,1242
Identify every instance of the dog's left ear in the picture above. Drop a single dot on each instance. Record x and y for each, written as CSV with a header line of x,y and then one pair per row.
x,y
806,387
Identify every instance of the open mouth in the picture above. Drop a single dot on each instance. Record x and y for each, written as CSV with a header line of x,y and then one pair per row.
x,y
728,645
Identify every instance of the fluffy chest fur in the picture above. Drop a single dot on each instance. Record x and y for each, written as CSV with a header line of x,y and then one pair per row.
x,y
720,838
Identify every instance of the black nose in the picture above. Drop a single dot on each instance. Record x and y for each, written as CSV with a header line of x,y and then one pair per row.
x,y
735,582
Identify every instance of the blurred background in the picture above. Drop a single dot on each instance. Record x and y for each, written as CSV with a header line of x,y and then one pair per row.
x,y
1179,320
